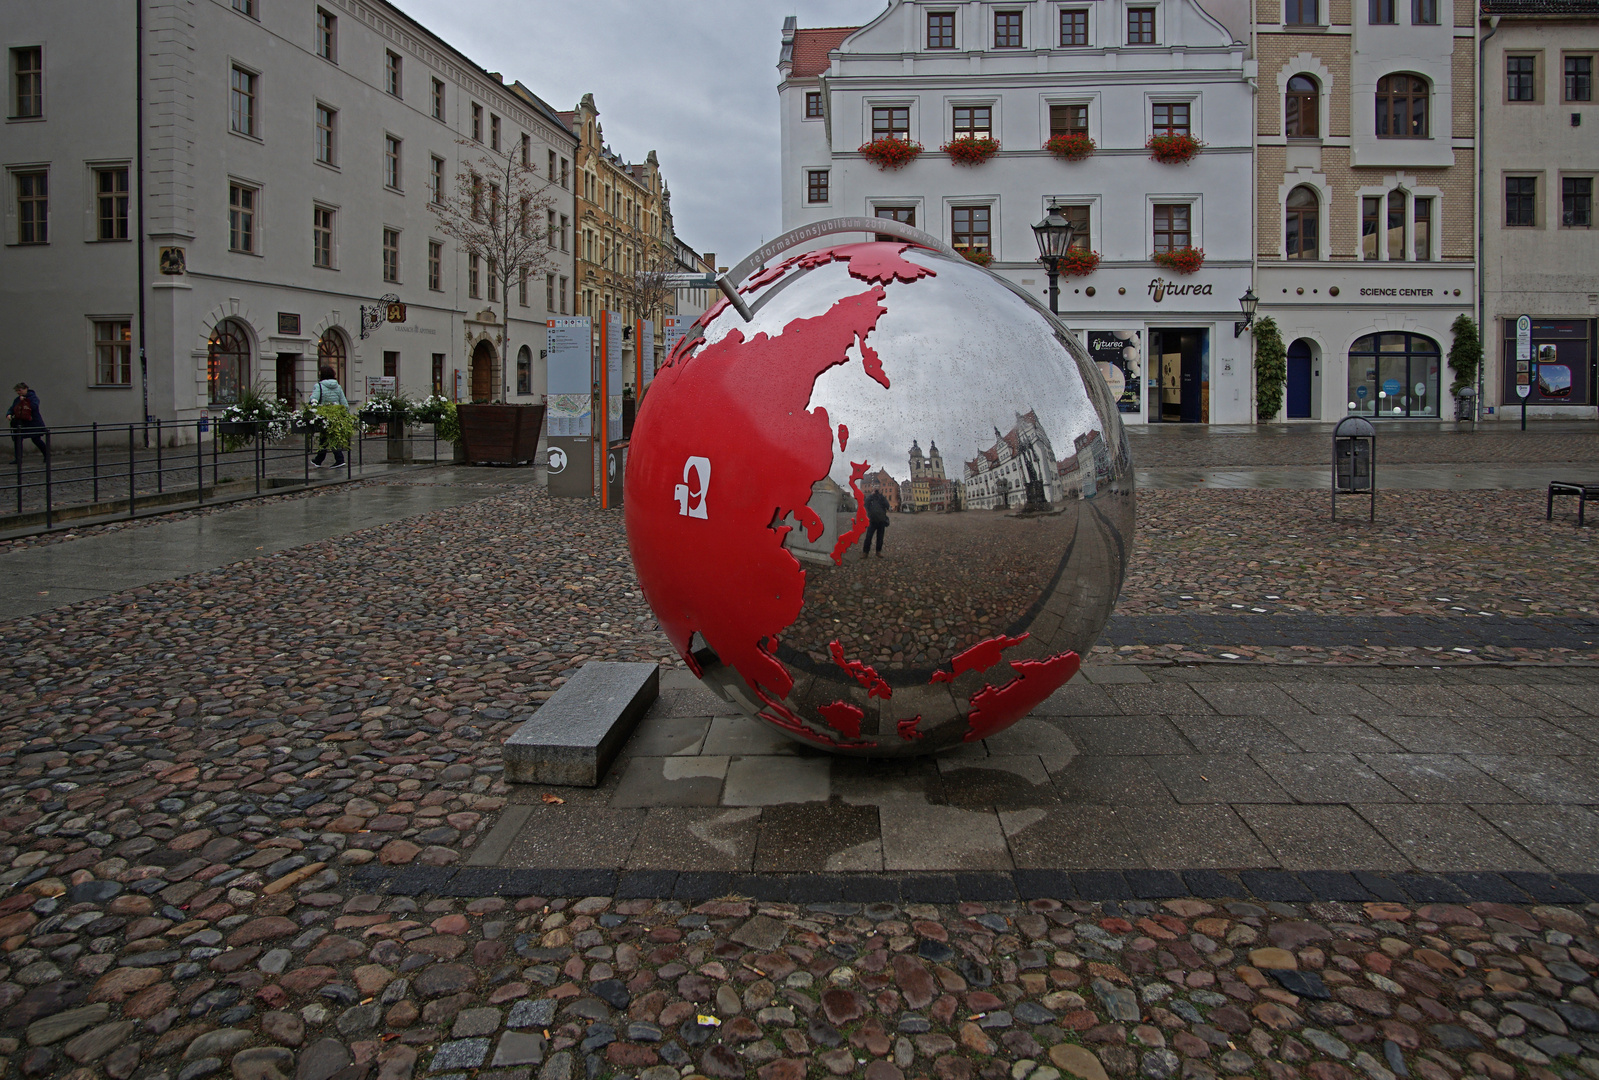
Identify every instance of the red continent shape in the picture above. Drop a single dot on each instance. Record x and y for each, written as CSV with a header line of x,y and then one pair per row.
x,y
980,657
742,406
861,673
843,438
907,729
843,718
995,708
857,527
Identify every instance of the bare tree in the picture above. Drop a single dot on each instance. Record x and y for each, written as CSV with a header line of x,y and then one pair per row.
x,y
502,213
644,289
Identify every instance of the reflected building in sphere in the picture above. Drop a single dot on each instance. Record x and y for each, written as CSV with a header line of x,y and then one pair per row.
x,y
998,477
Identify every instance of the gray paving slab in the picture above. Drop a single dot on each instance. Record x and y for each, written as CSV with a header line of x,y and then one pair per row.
x,y
1158,698
1333,734
1084,836
1249,700
1430,734
1078,698
1318,837
574,838
1217,778
668,736
1112,781
772,779
1544,778
1233,735
1439,778
1005,782
692,838
816,837
1563,838
1126,735
1031,735
1446,838
942,838
1196,837
1327,778
745,735
1334,699
671,781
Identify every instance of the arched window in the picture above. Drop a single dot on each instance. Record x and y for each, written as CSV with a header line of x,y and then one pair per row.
x,y
1394,374
524,371
1301,225
1301,108
1401,107
227,362
332,352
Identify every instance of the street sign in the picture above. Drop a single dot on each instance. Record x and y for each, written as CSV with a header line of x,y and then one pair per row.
x,y
689,281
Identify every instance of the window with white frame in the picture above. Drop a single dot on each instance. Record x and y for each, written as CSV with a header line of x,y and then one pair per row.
x,y
322,237
326,127
327,35
391,72
435,266
391,162
242,102
242,205
113,352
111,202
27,83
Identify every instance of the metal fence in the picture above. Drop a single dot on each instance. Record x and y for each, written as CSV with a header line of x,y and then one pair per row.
x,y
105,469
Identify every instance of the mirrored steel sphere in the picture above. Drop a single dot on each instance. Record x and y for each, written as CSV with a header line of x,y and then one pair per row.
x,y
903,399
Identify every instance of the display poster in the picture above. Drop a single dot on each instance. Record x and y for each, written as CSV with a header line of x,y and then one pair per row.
x,y
380,386
673,328
1119,357
644,350
1556,368
460,385
613,351
570,407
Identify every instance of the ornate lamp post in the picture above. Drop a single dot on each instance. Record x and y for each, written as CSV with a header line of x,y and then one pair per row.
x,y
1248,303
1054,236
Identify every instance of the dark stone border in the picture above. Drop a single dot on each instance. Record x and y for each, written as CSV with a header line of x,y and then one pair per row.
x,y
1509,887
1331,631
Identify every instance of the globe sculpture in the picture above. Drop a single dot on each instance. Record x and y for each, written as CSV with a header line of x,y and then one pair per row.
x,y
880,378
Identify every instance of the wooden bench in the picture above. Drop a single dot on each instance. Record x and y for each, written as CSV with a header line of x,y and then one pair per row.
x,y
1582,491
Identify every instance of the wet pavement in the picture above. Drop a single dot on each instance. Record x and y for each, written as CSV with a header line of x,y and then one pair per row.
x,y
251,820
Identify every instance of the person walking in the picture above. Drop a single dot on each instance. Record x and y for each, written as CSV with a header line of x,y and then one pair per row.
x,y
876,522
25,416
328,392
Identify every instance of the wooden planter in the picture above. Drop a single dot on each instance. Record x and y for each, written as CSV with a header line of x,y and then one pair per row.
x,y
500,434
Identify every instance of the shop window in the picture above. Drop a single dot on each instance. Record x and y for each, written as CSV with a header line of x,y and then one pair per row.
x,y
227,362
1394,375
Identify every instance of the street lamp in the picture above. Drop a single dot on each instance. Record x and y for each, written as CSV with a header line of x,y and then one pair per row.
x,y
1054,236
1248,302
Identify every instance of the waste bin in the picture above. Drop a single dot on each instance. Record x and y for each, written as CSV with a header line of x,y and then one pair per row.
x,y
1354,462
616,471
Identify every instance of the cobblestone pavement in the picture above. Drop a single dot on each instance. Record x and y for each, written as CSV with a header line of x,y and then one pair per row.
x,y
235,809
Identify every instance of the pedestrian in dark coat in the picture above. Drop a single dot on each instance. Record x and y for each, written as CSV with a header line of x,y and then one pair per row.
x,y
27,422
876,522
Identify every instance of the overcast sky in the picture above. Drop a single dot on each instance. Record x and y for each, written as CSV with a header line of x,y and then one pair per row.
x,y
693,80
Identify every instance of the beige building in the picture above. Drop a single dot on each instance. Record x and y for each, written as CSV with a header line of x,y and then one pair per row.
x,y
1540,163
1365,212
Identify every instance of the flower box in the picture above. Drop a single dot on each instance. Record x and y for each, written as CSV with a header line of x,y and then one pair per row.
x,y
1079,263
1073,147
971,150
500,434
890,153
980,256
1183,260
1173,149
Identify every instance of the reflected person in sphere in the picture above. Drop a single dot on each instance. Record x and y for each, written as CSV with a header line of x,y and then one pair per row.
x,y
876,522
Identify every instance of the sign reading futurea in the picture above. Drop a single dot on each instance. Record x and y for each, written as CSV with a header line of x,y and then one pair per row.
x,y
1160,288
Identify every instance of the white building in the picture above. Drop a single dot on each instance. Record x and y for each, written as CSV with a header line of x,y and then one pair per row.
x,y
1541,168
290,151
997,478
1120,71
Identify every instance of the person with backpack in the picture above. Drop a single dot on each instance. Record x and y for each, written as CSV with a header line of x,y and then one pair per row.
x,y
328,392
24,415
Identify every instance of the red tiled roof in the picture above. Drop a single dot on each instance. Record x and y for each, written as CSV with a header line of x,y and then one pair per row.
x,y
811,47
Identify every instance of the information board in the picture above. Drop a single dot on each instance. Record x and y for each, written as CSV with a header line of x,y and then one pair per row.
x,y
673,329
644,346
380,385
570,411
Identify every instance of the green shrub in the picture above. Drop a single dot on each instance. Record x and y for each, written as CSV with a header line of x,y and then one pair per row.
x,y
1465,355
1271,369
337,428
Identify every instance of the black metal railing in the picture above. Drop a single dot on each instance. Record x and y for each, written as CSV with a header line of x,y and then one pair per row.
x,y
100,469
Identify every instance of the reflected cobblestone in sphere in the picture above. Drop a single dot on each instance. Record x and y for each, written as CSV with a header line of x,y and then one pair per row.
x,y
890,375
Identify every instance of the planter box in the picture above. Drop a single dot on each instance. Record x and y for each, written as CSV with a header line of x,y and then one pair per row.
x,y
500,434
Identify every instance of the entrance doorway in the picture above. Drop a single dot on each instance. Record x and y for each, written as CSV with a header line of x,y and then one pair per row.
x,y
1299,367
1181,390
483,372
288,385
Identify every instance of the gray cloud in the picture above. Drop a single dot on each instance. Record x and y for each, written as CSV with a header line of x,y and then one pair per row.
x,y
693,80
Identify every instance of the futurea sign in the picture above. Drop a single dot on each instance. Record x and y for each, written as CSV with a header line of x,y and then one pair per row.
x,y
1160,288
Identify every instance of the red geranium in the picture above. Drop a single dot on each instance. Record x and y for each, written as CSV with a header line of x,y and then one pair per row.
x,y
1184,260
980,256
1078,263
1173,149
971,150
889,152
1073,147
